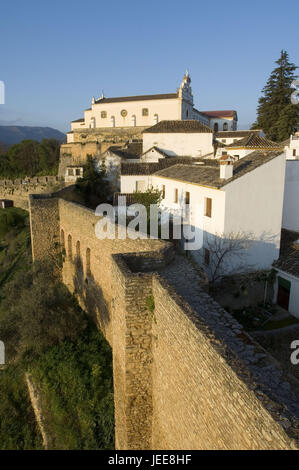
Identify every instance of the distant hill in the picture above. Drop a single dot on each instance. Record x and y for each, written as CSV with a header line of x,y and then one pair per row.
x,y
14,134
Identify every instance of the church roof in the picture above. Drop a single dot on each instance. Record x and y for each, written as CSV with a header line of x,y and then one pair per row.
x,y
186,126
163,96
79,120
220,114
254,141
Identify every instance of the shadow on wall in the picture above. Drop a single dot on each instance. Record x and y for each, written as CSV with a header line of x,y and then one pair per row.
x,y
237,252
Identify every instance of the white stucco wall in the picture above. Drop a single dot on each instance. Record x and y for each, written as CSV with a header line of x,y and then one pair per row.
x,y
163,108
128,182
290,218
180,144
292,150
294,291
254,205
151,155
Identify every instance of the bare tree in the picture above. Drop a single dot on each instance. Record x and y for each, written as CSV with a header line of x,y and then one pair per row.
x,y
224,252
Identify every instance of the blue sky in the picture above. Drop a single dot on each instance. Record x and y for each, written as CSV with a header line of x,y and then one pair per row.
x,y
56,55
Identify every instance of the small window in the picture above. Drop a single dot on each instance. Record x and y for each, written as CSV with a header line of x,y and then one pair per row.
x,y
134,120
88,270
237,157
207,257
163,191
176,195
208,211
187,113
236,140
294,153
187,197
225,126
71,172
93,122
103,114
216,127
78,172
69,247
156,118
145,112
62,240
112,120
223,140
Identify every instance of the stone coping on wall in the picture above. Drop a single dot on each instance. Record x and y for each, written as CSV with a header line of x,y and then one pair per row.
x,y
33,180
254,366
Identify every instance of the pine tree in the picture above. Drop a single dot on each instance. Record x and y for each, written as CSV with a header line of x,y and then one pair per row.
x,y
276,115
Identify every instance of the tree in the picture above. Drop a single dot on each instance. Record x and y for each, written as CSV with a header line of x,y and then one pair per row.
x,y
226,252
94,186
276,114
152,196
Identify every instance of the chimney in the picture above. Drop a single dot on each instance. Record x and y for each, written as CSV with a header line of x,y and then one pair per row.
x,y
226,167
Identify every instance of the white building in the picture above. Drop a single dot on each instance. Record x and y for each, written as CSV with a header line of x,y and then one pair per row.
x,y
286,288
231,137
177,138
246,197
290,219
147,110
292,149
253,142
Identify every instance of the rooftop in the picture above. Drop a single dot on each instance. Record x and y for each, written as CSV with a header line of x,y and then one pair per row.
x,y
208,174
223,113
255,141
131,150
186,126
232,134
163,96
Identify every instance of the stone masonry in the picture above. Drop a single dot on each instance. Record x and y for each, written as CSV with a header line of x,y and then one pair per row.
x,y
186,375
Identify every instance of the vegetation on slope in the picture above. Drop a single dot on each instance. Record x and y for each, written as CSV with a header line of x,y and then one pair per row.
x,y
30,158
46,332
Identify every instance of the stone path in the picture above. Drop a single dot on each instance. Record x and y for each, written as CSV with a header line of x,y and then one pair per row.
x,y
266,371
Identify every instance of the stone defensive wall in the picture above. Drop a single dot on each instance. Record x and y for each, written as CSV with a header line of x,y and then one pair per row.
x,y
186,374
18,190
94,142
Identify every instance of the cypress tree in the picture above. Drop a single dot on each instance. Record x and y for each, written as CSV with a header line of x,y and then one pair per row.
x,y
276,114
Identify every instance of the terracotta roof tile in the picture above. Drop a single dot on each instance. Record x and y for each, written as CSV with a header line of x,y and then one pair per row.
x,y
186,126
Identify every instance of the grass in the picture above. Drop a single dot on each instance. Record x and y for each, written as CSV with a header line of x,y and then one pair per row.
x,y
74,378
274,325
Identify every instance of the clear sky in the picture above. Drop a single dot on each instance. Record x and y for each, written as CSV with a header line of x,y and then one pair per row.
x,y
56,55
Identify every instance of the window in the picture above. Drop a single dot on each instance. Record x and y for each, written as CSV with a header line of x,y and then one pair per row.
x,y
93,122
163,191
187,197
112,120
145,112
207,257
208,211
69,246
225,126
103,114
216,127
78,172
237,157
134,120
156,118
236,140
88,271
140,186
223,140
294,153
62,241
176,195
71,172
78,249
187,113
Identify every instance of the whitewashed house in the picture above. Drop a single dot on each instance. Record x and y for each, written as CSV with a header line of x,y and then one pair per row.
x,y
252,142
177,138
223,198
292,147
231,137
290,219
286,288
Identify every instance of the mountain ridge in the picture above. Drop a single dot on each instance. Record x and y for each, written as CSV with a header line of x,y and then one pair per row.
x,y
10,135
